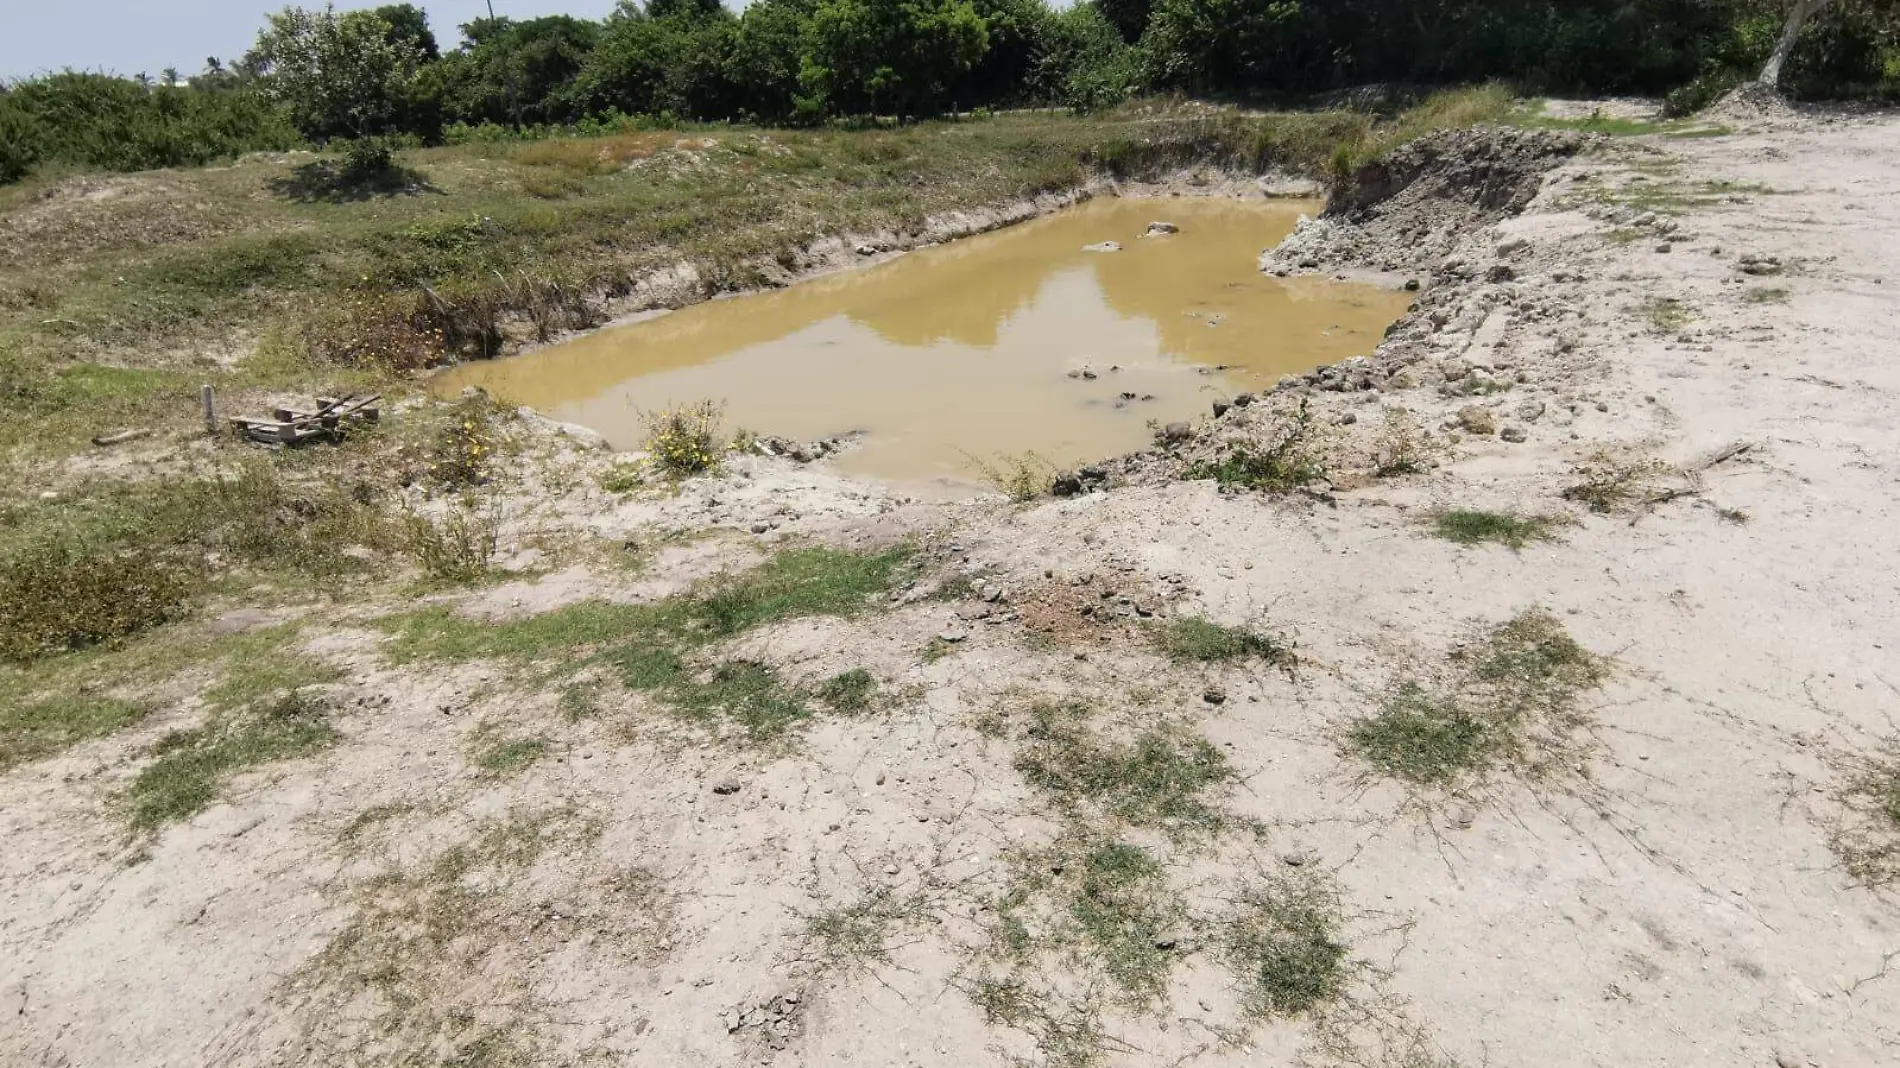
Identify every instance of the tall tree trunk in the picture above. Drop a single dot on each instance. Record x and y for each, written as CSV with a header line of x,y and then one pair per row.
x,y
1798,13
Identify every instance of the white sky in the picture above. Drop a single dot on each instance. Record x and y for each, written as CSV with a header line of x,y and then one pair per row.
x,y
132,36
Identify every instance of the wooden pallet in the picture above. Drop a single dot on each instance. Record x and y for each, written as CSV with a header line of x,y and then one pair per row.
x,y
330,420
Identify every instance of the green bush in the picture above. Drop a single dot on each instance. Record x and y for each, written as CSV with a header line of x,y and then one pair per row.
x,y
59,595
117,124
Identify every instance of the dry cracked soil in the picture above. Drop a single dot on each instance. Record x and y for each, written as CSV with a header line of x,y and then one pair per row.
x,y
1506,698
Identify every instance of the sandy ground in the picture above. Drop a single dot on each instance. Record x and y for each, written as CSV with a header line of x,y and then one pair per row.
x,y
1668,897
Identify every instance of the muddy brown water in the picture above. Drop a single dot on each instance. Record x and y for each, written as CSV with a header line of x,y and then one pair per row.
x,y
978,348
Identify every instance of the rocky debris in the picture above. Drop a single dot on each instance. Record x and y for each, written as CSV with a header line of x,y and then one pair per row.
x,y
1161,229
776,1020
1104,246
865,250
1761,265
1411,207
1215,696
953,635
727,787
1176,433
1514,434
1081,480
804,452
1531,411
1749,102
1477,419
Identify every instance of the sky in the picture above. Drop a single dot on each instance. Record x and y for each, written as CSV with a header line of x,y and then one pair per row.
x,y
133,36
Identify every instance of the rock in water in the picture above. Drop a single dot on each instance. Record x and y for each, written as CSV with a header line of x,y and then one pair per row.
x,y
1159,229
1105,246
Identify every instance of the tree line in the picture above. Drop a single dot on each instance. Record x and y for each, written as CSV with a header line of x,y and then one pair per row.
x,y
317,75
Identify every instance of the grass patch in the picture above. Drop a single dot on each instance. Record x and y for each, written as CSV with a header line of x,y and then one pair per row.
x,y
1158,779
497,755
1466,526
1289,455
850,693
260,664
1191,639
1509,698
192,766
1285,946
32,730
457,547
1868,838
1667,315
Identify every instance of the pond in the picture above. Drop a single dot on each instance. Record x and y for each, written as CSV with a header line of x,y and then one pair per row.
x,y
1015,341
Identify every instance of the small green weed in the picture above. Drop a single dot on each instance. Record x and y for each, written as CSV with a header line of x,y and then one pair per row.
x,y
1284,942
1191,639
1291,456
854,938
31,730
470,439
191,766
623,477
457,547
1467,526
1159,779
1520,679
1403,446
1022,478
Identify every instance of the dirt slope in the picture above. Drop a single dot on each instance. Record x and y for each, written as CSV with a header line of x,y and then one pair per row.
x,y
1654,878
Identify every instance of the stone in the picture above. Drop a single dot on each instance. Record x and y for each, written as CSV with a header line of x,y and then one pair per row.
x,y
1175,938
1461,816
1514,434
866,250
1215,695
1067,485
1299,858
1477,419
1347,419
1664,247
953,635
1785,1059
1455,368
1221,408
1176,432
1158,229
1513,244
1531,411
760,528
1500,272
1105,246
727,787
1412,285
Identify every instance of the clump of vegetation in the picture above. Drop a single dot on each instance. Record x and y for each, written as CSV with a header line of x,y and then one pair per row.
x,y
1160,778
1610,481
1766,295
1192,639
623,477
109,561
1520,680
460,455
58,595
191,766
33,729
1291,455
1022,478
1868,838
1284,942
1402,447
686,440
1469,526
458,546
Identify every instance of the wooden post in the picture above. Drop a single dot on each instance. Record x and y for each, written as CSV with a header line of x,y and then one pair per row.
x,y
211,410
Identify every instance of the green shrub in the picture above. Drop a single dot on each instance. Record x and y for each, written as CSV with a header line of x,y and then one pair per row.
x,y
62,594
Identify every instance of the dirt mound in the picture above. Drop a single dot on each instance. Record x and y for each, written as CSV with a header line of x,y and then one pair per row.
x,y
1409,207
1749,102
